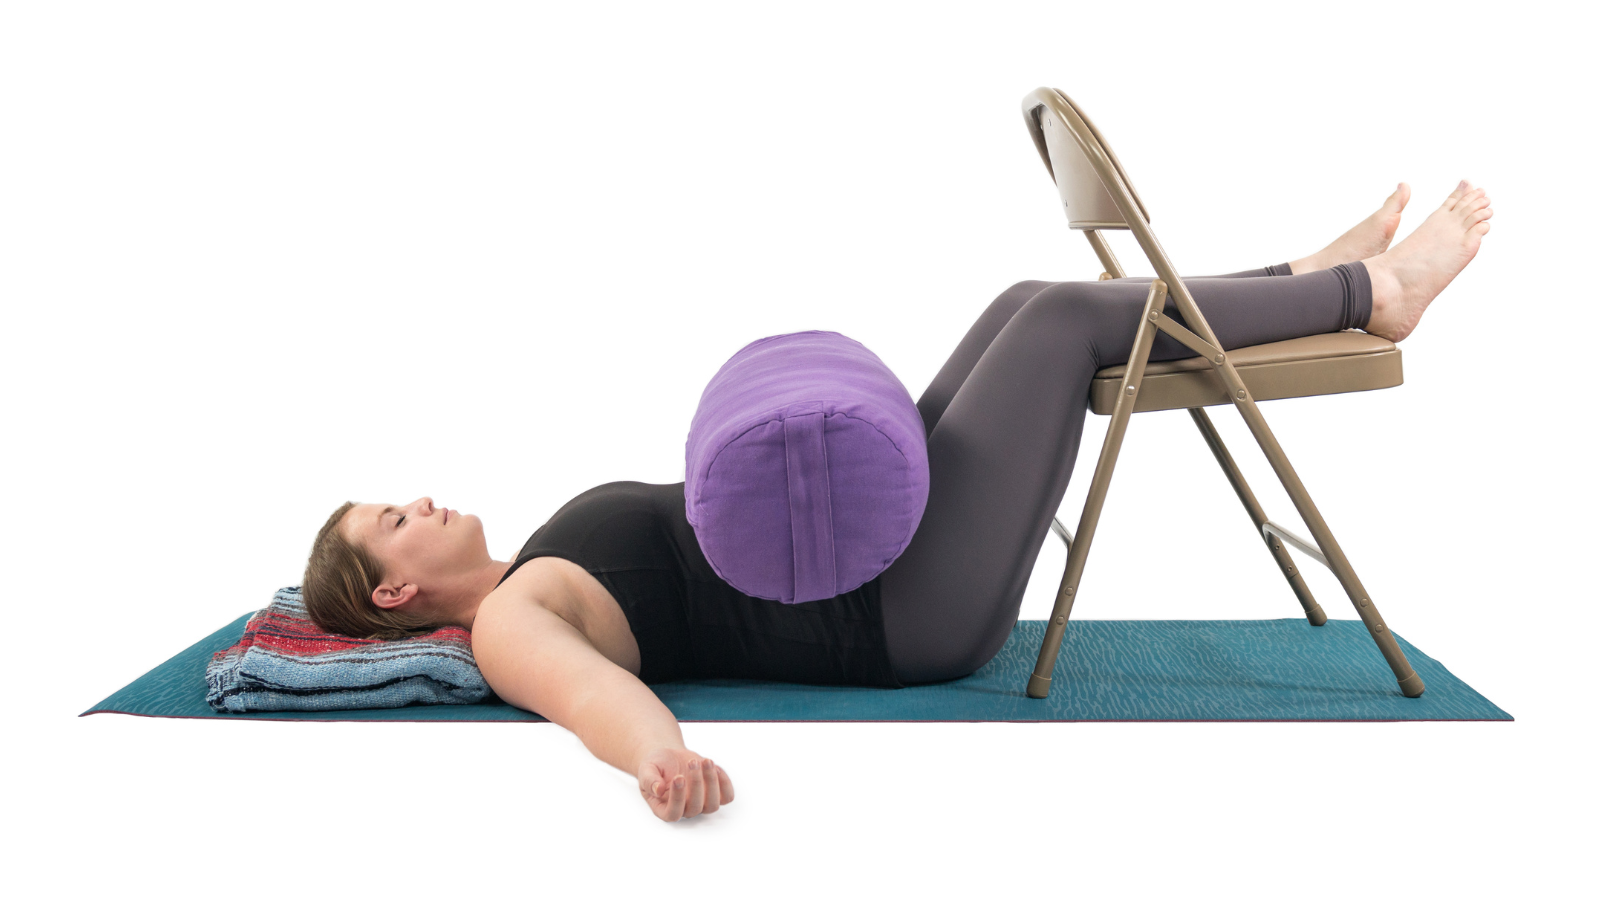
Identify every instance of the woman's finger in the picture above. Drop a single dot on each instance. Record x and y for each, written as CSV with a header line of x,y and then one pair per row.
x,y
724,785
708,773
675,798
649,784
696,800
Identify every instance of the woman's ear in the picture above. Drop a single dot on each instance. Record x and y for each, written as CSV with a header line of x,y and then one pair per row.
x,y
392,596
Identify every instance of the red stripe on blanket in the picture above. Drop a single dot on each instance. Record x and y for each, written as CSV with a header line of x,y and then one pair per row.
x,y
290,635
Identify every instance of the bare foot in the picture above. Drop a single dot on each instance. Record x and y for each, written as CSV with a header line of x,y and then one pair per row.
x,y
1369,238
1406,279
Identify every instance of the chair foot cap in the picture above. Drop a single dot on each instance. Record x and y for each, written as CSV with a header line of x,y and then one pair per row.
x,y
1316,616
1411,685
1038,688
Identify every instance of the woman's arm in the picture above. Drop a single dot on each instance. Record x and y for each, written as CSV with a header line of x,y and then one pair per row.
x,y
536,660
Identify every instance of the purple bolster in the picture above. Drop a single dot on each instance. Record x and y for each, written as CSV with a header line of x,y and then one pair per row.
x,y
806,467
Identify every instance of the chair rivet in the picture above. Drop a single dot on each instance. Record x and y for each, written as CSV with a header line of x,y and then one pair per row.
x,y
1217,359
1290,570
1364,602
1061,620
1240,394
1154,314
1071,589
1379,629
1131,389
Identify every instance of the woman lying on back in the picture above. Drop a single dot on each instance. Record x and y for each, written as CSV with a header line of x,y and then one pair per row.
x,y
613,593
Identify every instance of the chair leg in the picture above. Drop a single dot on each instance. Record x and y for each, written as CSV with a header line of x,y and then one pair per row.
x,y
1039,681
1258,516
1410,682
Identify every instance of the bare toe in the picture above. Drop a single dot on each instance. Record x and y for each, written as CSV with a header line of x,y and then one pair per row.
x,y
1455,196
1472,203
1403,192
1389,214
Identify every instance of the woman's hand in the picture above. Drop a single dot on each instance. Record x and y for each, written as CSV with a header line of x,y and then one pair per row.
x,y
681,783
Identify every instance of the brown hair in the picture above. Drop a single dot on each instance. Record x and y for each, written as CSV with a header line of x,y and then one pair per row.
x,y
340,578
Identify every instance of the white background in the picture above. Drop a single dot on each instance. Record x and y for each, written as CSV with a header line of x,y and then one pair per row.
x,y
258,260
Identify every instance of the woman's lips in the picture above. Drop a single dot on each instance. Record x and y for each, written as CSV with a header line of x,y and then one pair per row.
x,y
447,516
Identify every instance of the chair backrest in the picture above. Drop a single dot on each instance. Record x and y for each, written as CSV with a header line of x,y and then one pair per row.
x,y
1097,193
1068,142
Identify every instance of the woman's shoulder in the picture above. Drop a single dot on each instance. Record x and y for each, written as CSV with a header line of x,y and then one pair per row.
x,y
541,581
551,584
536,588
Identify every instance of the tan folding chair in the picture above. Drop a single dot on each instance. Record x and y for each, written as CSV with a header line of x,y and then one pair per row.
x,y
1098,197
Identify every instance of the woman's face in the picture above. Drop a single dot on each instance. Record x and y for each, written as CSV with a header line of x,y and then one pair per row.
x,y
418,543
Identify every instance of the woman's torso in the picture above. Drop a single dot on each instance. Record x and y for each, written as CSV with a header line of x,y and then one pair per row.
x,y
622,564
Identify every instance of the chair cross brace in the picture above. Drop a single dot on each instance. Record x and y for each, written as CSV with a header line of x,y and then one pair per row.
x,y
1271,528
1062,532
1188,338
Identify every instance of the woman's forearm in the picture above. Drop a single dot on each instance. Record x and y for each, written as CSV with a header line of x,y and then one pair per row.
x,y
621,721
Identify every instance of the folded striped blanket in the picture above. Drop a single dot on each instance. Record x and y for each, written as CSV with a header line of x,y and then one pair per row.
x,y
286,662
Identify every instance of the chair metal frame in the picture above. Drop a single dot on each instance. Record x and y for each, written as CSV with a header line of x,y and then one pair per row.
x,y
1050,116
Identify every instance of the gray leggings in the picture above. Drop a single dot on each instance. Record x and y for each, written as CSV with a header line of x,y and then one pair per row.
x,y
1004,417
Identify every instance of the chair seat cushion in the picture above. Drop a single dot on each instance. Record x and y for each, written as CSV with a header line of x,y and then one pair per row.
x,y
1303,367
806,467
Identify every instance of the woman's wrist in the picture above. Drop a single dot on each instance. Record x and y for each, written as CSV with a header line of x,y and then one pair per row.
x,y
655,744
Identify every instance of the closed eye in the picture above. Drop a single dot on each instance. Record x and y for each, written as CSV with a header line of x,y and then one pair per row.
x,y
398,521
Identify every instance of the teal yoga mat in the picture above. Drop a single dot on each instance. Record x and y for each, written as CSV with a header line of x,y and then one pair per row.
x,y
1112,671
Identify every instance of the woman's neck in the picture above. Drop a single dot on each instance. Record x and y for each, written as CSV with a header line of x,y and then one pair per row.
x,y
475,587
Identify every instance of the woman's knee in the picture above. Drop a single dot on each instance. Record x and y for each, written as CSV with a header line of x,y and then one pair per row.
x,y
1025,289
1083,305
1013,299
1080,293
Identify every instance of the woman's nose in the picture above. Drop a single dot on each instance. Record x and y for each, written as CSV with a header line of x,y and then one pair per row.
x,y
424,506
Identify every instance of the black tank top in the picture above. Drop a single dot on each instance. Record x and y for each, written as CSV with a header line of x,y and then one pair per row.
x,y
635,539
